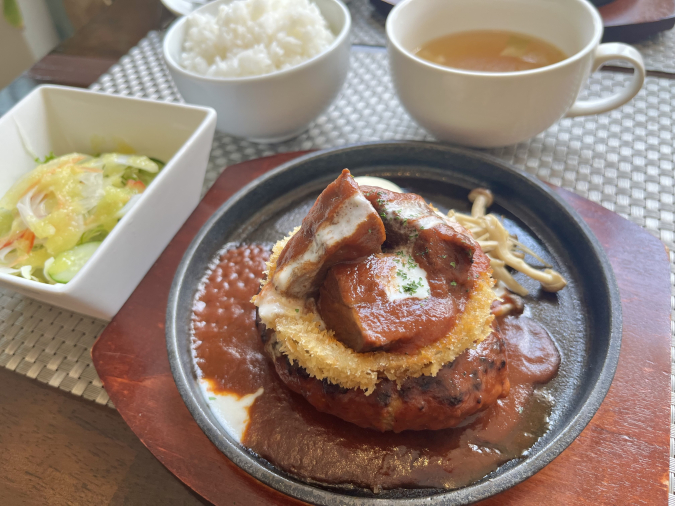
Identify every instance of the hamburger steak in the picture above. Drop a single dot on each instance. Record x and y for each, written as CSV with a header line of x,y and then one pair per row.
x,y
468,384
365,310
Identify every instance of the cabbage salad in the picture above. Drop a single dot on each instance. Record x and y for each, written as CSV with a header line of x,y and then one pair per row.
x,y
54,218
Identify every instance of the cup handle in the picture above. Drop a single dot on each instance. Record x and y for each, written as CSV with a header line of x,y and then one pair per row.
x,y
605,53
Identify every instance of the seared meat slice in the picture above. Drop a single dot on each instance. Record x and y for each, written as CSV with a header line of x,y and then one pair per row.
x,y
383,302
443,248
341,226
411,297
472,382
407,215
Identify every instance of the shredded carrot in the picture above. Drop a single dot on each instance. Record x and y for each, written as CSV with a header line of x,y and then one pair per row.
x,y
10,240
70,161
136,185
23,236
30,237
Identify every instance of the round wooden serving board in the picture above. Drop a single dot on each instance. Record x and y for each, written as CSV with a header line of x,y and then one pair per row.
x,y
620,458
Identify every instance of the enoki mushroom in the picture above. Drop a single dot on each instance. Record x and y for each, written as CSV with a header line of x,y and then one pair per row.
x,y
502,248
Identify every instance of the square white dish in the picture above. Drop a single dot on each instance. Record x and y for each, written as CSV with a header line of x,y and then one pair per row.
x,y
63,120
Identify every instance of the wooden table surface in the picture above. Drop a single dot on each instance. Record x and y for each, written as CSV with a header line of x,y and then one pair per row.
x,y
56,448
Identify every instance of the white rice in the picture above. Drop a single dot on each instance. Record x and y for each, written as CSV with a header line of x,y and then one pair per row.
x,y
254,37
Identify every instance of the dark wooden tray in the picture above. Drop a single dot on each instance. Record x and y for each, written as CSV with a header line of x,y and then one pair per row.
x,y
634,20
624,20
620,458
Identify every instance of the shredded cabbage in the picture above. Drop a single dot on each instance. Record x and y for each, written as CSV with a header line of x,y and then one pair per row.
x,y
68,201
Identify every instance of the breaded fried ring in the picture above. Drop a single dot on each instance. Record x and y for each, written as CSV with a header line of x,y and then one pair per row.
x,y
301,338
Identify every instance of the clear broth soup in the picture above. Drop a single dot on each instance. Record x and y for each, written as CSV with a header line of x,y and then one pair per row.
x,y
490,51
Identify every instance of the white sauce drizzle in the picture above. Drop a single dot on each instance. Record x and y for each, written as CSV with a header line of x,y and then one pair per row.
x,y
430,221
351,213
272,304
231,410
411,216
408,280
379,182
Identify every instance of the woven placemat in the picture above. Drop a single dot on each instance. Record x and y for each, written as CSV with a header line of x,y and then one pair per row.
x,y
659,51
367,24
622,160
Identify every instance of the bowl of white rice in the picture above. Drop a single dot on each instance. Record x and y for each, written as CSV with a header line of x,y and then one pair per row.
x,y
268,67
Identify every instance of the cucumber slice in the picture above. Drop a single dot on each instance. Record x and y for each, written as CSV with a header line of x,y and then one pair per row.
x,y
69,263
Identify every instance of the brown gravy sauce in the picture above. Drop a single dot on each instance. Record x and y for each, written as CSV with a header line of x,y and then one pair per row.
x,y
288,432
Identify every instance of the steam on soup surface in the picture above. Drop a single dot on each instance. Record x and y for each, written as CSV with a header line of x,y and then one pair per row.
x,y
490,51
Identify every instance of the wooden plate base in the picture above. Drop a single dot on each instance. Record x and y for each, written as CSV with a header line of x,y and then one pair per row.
x,y
620,458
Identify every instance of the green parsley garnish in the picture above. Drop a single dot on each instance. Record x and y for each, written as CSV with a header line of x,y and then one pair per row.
x,y
212,398
48,158
453,283
452,264
412,287
297,310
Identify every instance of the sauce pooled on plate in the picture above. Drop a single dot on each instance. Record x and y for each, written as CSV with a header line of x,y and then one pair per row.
x,y
287,431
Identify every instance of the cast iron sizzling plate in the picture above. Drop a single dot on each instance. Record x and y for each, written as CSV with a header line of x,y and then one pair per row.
x,y
584,318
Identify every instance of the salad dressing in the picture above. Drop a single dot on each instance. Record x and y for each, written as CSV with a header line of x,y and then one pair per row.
x,y
53,218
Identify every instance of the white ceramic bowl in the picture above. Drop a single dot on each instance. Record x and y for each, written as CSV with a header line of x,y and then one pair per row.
x,y
64,120
494,109
272,107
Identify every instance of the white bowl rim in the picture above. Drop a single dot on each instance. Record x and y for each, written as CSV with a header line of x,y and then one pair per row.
x,y
175,66
595,40
65,288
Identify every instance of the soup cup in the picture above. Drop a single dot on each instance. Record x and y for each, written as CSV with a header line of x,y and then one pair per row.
x,y
271,107
492,109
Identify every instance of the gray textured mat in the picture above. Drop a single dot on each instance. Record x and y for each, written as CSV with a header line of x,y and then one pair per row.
x,y
659,51
367,24
622,160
